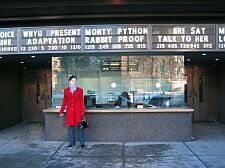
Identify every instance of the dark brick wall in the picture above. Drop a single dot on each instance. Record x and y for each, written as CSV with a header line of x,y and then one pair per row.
x,y
205,108
125,127
19,101
35,93
221,97
10,103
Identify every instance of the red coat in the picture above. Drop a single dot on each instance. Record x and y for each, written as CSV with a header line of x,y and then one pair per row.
x,y
75,106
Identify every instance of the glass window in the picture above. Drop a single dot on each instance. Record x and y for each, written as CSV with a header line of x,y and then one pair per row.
x,y
144,81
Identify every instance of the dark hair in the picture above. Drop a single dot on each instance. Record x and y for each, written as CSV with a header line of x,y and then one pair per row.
x,y
124,94
71,77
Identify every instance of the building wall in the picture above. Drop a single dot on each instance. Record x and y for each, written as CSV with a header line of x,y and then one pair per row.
x,y
202,91
10,102
120,127
19,101
35,93
213,105
221,96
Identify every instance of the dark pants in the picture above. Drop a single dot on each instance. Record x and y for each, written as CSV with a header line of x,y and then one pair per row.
x,y
72,135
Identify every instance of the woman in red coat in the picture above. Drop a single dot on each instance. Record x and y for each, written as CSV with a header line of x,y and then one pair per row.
x,y
74,101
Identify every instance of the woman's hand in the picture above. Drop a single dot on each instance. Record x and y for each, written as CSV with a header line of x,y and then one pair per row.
x,y
82,117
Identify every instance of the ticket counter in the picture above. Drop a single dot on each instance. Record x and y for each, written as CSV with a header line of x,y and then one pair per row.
x,y
127,97
126,125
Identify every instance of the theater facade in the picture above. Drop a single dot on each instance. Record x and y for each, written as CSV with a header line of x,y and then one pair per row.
x,y
172,70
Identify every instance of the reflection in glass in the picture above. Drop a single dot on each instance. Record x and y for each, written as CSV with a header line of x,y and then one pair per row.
x,y
154,81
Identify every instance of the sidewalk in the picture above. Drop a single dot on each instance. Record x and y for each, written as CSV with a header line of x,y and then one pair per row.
x,y
23,146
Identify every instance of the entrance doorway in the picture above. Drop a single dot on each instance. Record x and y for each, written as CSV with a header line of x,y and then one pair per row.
x,y
202,91
25,88
36,93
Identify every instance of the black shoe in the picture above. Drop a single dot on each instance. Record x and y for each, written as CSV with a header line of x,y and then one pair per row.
x,y
69,146
82,146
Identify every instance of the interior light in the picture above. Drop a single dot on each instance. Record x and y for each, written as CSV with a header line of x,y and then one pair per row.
x,y
204,54
0,57
117,1
22,62
158,85
188,59
217,59
33,56
113,85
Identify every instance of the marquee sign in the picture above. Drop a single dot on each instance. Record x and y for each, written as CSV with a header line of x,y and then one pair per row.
x,y
50,39
183,37
116,38
112,38
221,37
8,41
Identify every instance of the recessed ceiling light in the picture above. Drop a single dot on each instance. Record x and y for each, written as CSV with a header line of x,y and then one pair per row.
x,y
22,62
217,59
188,59
33,56
204,54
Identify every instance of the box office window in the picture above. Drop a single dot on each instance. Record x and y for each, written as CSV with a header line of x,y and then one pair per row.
x,y
147,81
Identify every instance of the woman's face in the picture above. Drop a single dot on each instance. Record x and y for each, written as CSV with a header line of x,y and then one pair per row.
x,y
73,81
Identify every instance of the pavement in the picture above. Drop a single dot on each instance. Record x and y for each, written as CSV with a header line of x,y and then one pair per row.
x,y
23,146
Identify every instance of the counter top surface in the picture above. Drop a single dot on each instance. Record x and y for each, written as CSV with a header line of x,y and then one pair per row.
x,y
127,110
